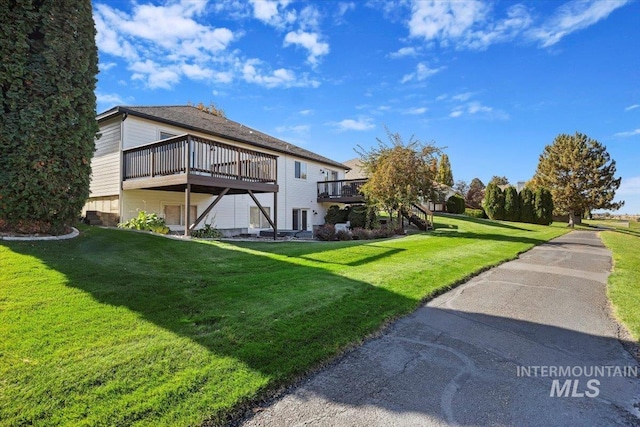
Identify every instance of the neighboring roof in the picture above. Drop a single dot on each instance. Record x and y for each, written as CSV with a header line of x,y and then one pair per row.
x,y
356,171
192,118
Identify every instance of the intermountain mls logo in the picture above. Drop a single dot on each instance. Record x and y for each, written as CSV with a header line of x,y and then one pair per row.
x,y
576,381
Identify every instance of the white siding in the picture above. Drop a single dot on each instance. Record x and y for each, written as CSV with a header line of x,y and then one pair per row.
x,y
105,164
232,212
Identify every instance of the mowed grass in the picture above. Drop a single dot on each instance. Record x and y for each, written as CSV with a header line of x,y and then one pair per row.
x,y
624,282
124,328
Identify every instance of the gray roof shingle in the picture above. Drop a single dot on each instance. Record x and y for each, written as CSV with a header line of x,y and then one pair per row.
x,y
192,118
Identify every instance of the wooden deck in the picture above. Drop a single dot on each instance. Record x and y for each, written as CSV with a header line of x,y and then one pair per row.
x,y
192,164
341,191
208,166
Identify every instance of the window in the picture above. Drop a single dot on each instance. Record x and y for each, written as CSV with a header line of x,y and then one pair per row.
x,y
174,214
166,135
301,170
257,219
300,219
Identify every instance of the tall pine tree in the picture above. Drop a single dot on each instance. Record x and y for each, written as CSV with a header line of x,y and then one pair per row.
x,y
580,175
511,204
493,203
47,126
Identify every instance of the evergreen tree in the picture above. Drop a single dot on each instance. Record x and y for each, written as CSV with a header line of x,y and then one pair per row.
x,y
580,175
475,195
511,204
494,202
543,206
47,126
444,175
527,206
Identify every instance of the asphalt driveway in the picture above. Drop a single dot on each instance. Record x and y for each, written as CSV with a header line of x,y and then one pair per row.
x,y
528,343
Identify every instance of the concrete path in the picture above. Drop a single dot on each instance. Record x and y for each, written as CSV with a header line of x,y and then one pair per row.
x,y
463,359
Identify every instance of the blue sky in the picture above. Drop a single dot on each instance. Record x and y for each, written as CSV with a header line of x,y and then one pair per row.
x,y
492,81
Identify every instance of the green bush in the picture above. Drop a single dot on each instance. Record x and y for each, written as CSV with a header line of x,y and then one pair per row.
x,y
335,215
511,204
475,213
207,232
146,222
527,206
493,201
358,216
455,204
543,206
326,232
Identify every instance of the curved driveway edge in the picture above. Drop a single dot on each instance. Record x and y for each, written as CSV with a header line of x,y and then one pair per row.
x,y
530,342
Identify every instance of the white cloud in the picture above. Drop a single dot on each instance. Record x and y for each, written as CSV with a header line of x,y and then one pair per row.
x,y
273,12
472,24
573,16
629,186
343,8
305,112
416,111
627,134
632,107
361,124
277,78
310,42
462,97
445,21
422,73
299,129
478,110
404,52
109,99
106,66
161,44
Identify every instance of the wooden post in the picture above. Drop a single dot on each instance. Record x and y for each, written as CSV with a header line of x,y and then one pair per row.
x,y
187,209
206,211
275,214
152,151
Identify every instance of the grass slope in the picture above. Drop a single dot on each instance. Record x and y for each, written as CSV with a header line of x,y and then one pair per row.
x,y
122,328
624,282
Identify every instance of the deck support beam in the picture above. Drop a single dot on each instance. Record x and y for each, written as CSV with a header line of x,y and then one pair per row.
x,y
187,209
266,215
206,211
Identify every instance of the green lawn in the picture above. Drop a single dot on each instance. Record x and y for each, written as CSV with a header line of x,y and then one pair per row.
x,y
624,282
124,328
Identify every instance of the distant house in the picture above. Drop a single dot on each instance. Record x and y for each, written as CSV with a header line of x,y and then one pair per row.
x,y
192,167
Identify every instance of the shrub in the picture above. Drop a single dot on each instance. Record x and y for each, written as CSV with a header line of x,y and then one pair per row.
x,y
527,206
455,204
494,201
511,204
48,121
543,206
207,232
358,216
361,234
475,213
146,222
336,215
326,232
343,235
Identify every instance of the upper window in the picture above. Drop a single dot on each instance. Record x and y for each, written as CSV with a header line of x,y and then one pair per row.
x,y
166,135
301,170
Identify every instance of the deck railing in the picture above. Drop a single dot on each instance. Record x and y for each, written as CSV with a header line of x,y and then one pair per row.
x,y
194,155
344,188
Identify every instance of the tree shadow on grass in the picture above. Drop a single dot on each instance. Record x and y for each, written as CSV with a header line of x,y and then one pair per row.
x,y
276,316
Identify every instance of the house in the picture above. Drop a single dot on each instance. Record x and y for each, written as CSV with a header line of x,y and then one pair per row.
x,y
192,168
